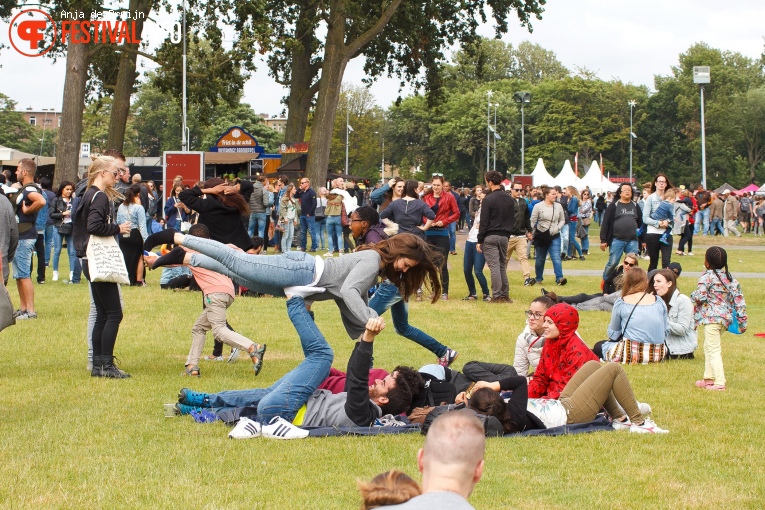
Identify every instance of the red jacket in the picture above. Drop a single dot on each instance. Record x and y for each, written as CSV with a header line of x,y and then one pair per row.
x,y
335,381
562,357
448,210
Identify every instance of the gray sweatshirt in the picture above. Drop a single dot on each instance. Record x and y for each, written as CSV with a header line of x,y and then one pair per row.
x,y
9,234
348,280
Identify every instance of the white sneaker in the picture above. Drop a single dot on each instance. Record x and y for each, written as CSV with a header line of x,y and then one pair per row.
x,y
279,428
329,254
71,275
55,276
234,354
648,427
245,429
621,425
644,408
303,291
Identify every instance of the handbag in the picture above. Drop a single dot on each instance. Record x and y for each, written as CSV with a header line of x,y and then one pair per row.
x,y
734,327
65,229
631,352
105,261
319,213
581,232
543,238
587,221
344,216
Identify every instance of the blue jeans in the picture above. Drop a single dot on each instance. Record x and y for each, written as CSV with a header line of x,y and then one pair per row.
x,y
717,226
257,221
321,232
22,260
288,234
474,262
387,297
286,396
452,236
702,220
541,254
267,274
617,248
49,236
335,233
586,239
308,224
572,242
564,240
58,244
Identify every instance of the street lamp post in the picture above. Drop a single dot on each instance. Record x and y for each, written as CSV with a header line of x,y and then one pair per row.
x,y
632,104
382,162
495,137
184,138
522,97
348,131
45,124
488,127
701,76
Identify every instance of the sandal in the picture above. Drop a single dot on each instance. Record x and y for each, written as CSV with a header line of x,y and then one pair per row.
x,y
257,354
192,371
703,383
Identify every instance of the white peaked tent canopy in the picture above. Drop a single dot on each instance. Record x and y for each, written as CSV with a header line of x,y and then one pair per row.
x,y
540,175
761,190
594,180
566,176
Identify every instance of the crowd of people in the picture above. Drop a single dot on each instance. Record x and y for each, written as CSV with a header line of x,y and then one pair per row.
x,y
216,234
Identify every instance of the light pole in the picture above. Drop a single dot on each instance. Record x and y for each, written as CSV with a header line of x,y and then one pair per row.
x,y
522,97
184,138
348,131
45,124
495,137
488,127
632,104
701,75
382,162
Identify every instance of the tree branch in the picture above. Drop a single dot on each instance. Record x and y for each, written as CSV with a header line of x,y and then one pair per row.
x,y
355,46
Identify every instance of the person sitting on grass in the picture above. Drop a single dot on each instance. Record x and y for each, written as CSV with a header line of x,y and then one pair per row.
x,y
592,387
390,488
294,400
405,260
218,292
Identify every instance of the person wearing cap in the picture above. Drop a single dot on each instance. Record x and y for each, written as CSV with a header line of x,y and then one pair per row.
x,y
682,339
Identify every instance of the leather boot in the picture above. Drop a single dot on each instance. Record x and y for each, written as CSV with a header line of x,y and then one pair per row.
x,y
110,370
97,366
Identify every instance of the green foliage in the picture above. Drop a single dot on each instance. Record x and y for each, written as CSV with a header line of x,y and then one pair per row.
x,y
15,132
95,128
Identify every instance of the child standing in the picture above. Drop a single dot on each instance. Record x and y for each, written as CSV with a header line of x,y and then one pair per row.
x,y
218,291
715,300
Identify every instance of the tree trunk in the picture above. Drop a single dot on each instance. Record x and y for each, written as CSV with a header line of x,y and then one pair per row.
x,y
68,152
335,60
126,77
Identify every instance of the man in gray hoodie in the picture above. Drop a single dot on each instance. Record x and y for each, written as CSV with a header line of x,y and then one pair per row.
x,y
295,396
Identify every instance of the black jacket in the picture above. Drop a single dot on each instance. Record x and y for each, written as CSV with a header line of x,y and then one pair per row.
x,y
94,216
607,225
522,224
523,419
224,222
497,215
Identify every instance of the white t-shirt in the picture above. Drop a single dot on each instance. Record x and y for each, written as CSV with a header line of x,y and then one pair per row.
x,y
551,412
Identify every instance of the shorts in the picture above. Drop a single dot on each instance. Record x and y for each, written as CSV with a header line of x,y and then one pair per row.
x,y
22,260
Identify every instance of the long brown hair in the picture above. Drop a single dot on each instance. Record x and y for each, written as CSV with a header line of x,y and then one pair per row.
x,y
427,271
390,488
488,402
668,275
635,281
235,200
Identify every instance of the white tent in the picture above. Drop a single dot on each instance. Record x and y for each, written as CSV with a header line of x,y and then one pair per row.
x,y
761,190
540,175
566,176
594,180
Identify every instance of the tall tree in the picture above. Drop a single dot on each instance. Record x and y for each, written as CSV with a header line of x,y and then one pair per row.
x,y
14,130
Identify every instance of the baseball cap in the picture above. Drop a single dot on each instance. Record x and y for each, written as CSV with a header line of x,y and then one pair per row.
x,y
675,267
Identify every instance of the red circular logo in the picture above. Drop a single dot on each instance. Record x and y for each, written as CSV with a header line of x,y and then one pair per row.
x,y
27,34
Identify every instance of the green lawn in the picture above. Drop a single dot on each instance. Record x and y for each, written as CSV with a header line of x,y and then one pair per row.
x,y
72,441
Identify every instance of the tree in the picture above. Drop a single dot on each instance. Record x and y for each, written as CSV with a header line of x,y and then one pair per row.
x,y
535,64
748,118
14,130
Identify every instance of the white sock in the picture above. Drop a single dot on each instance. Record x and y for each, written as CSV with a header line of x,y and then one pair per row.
x,y
302,291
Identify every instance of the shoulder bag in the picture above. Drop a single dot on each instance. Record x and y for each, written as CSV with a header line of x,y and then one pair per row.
x,y
631,352
734,327
105,260
544,238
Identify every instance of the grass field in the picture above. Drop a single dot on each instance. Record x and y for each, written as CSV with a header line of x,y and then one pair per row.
x,y
72,441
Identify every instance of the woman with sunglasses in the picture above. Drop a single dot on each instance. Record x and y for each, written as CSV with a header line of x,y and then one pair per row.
x,y
95,216
585,219
528,345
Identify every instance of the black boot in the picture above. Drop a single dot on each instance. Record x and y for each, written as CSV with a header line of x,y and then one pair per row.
x,y
166,236
172,258
97,366
110,370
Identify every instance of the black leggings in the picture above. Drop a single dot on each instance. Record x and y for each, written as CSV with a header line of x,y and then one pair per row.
x,y
686,238
441,245
106,296
578,298
654,247
598,348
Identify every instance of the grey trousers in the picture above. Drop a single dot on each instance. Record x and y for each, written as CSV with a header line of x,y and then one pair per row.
x,y
495,250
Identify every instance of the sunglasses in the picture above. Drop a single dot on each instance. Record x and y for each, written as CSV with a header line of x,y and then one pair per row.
x,y
517,189
629,264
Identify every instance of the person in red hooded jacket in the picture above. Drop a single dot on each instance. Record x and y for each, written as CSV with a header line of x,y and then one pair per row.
x,y
562,355
445,207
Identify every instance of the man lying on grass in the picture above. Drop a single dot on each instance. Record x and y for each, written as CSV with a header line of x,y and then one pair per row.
x,y
295,400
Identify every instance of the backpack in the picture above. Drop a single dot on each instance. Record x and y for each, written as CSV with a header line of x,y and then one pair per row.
x,y
435,393
491,425
16,202
745,203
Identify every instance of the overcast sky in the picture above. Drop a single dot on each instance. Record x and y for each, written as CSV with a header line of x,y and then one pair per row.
x,y
627,40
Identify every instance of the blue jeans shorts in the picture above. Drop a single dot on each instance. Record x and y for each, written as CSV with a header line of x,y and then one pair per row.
x,y
22,260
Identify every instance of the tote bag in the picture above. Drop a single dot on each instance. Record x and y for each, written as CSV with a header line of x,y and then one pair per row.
x,y
105,261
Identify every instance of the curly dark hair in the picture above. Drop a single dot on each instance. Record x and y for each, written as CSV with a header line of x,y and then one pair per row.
x,y
409,382
235,200
133,191
488,402
427,271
